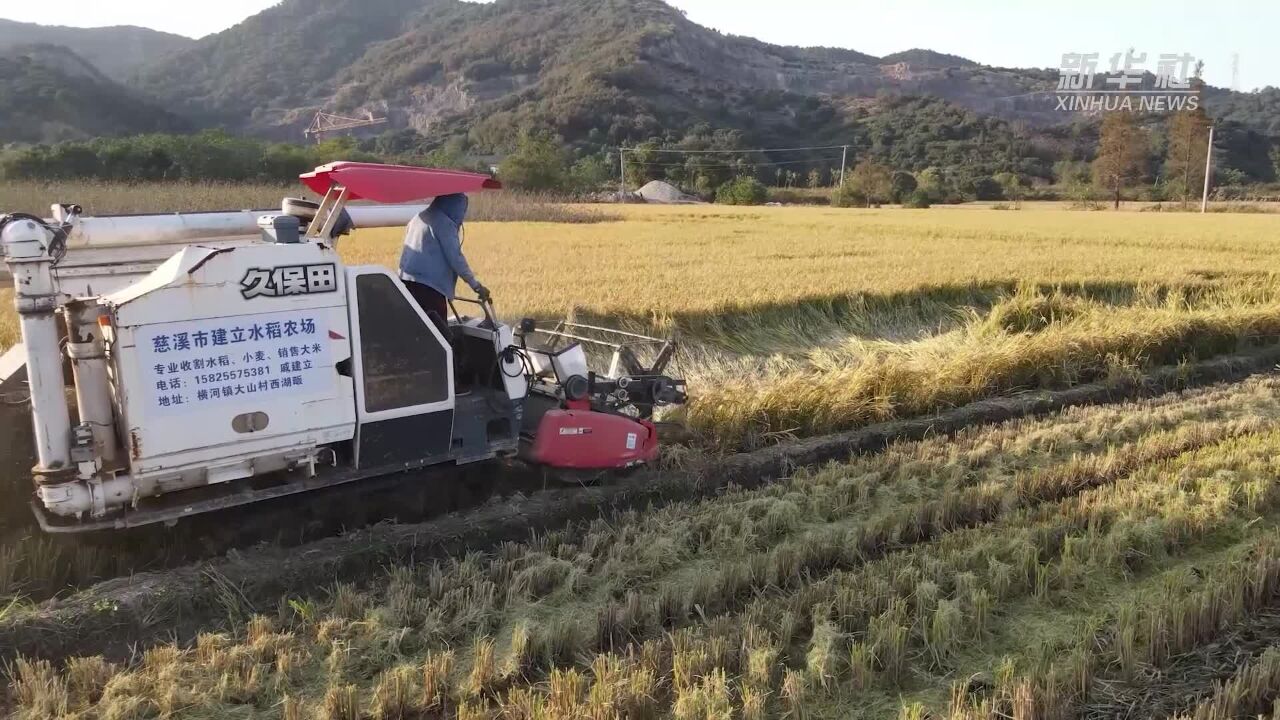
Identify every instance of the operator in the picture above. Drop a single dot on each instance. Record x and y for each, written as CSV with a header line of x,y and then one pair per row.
x,y
432,260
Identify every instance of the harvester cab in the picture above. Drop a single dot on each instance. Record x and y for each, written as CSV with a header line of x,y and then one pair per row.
x,y
220,359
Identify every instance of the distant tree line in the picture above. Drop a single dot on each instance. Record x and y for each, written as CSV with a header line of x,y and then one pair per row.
x,y
917,152
206,156
921,152
212,155
1172,165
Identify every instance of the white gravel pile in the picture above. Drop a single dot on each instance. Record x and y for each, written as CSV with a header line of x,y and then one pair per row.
x,y
664,193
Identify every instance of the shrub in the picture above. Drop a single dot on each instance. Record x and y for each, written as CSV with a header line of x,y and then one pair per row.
x,y
903,184
538,163
873,180
1158,192
786,197
933,181
848,196
742,191
918,199
1083,197
591,173
1248,208
985,188
1011,185
803,196
1232,192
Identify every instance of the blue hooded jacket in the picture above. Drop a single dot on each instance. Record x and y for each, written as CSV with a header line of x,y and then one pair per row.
x,y
432,252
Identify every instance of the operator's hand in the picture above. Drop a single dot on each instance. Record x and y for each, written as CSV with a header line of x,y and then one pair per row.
x,y
482,292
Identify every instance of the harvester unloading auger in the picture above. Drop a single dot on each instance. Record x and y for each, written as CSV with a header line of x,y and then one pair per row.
x,y
221,359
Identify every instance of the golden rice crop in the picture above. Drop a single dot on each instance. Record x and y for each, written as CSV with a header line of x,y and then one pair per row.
x,y
1034,568
859,382
809,320
805,320
687,262
115,198
8,320
109,198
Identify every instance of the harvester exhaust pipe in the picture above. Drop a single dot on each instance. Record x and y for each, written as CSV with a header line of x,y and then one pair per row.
x,y
29,248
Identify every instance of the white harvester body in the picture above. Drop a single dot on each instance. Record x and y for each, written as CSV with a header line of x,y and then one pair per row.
x,y
212,386
251,363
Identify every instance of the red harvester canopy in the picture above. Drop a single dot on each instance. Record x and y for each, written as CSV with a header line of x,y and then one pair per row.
x,y
394,183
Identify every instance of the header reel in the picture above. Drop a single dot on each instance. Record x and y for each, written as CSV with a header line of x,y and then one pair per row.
x,y
560,367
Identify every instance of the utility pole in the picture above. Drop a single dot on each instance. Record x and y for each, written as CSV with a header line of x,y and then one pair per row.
x,y
622,159
1208,173
844,159
1186,170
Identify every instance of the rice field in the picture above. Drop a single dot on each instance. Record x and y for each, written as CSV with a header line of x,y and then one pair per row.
x,y
1048,568
800,321
9,335
692,262
109,198
1110,561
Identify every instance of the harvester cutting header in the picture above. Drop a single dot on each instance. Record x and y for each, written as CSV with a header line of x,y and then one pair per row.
x,y
220,359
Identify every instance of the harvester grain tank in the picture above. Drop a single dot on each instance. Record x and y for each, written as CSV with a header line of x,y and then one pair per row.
x,y
221,359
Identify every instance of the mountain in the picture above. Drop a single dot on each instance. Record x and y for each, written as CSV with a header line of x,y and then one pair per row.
x,y
615,68
252,75
928,59
49,93
116,51
469,77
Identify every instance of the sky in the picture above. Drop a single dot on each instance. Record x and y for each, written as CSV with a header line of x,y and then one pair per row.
x,y
1010,33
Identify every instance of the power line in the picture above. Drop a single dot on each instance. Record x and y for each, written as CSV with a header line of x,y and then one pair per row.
x,y
737,164
731,152
622,158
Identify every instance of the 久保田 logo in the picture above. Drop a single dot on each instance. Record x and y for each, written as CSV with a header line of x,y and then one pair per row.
x,y
289,280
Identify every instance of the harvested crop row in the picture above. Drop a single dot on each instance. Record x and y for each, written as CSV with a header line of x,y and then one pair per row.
x,y
75,626
1011,447
484,629
1253,690
1067,558
1137,639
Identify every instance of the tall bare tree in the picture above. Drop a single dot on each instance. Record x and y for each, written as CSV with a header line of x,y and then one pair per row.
x,y
1188,143
1123,150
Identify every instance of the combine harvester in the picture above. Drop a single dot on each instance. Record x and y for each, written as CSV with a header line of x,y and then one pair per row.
x,y
222,359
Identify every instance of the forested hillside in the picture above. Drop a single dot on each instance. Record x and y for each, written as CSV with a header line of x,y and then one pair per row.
x,y
252,75
464,80
592,71
596,73
118,52
48,93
